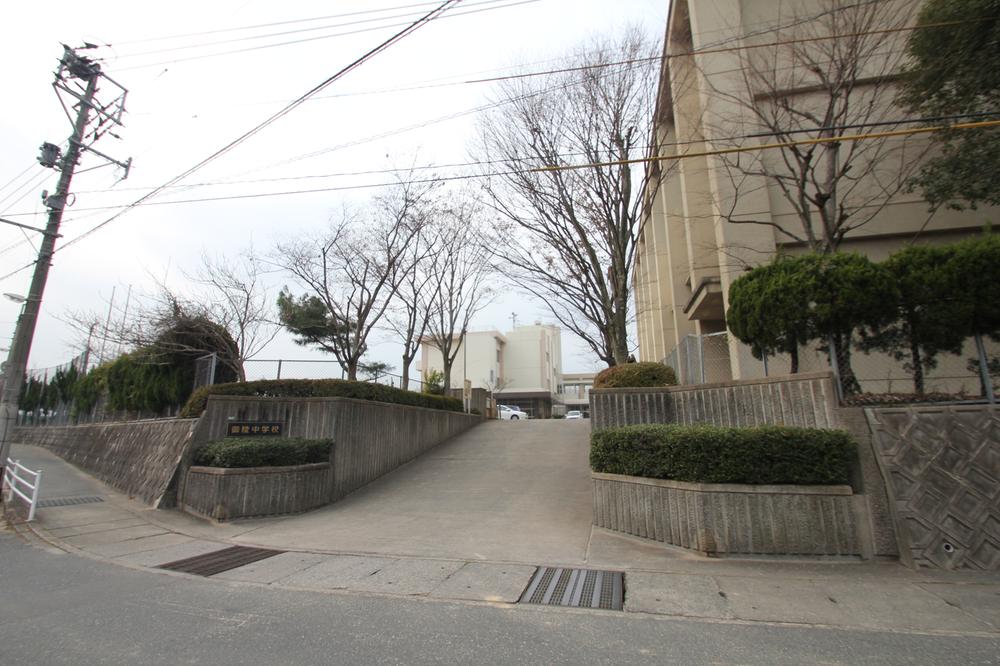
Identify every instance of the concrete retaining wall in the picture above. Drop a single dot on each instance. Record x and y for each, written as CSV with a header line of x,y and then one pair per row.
x,y
138,457
224,494
732,519
806,400
369,438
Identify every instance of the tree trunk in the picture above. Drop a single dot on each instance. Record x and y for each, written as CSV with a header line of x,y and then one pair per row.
x,y
842,353
918,367
352,369
447,375
405,381
794,353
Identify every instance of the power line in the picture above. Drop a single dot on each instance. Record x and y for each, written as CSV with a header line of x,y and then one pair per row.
x,y
272,24
845,138
25,189
539,73
430,16
313,39
454,165
236,40
563,85
18,176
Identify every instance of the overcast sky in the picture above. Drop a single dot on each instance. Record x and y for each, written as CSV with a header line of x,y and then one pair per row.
x,y
184,103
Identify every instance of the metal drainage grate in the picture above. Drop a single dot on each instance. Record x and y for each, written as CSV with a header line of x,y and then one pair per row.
x,y
68,501
218,561
582,588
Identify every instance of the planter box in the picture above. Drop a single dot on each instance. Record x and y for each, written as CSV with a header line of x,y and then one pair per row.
x,y
223,494
732,518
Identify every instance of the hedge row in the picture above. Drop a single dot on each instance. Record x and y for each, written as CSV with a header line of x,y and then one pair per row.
x,y
317,388
709,454
629,375
263,452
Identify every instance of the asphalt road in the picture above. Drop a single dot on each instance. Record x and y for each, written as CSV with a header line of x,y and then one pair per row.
x,y
59,608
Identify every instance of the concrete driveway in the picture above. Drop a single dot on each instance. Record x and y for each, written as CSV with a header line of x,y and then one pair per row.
x,y
507,490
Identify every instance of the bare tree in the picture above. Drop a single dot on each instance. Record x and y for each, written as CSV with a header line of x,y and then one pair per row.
x,y
237,297
799,91
350,274
410,315
147,324
460,270
233,297
569,236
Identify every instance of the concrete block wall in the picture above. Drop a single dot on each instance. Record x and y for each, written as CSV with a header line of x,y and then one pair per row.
x,y
731,518
136,457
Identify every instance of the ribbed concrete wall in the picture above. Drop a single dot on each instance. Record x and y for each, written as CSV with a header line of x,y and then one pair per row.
x,y
370,438
224,494
137,457
731,519
806,400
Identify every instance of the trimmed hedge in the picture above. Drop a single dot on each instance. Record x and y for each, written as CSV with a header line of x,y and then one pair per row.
x,y
317,388
709,454
636,375
263,452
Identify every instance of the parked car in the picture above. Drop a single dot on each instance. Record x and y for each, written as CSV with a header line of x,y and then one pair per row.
x,y
508,413
574,414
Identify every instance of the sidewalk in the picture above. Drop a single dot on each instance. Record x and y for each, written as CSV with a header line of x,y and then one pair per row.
x,y
659,580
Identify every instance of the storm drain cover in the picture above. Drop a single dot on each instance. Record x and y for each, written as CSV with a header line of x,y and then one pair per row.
x,y
68,501
582,588
218,561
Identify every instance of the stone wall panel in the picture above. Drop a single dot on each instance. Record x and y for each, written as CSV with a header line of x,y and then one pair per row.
x,y
942,466
136,457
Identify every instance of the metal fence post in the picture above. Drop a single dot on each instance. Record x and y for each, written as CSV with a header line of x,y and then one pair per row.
x,y
984,370
835,366
701,357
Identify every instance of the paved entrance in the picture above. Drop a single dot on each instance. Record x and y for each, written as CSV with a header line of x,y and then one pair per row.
x,y
509,491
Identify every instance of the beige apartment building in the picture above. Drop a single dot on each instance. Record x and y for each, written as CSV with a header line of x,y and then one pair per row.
x,y
715,213
523,366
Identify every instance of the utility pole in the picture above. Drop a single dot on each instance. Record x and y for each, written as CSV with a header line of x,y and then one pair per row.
x,y
77,77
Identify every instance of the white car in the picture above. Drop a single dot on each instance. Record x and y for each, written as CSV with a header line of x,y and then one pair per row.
x,y
574,414
508,413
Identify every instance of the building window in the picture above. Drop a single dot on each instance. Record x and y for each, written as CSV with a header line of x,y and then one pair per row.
x,y
491,375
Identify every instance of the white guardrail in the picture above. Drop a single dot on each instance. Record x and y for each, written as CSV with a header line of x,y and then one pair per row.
x,y
16,482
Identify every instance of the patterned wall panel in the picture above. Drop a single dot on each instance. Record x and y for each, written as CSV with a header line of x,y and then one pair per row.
x,y
942,466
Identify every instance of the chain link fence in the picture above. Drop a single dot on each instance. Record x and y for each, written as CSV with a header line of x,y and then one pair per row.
x,y
322,369
864,377
46,394
705,359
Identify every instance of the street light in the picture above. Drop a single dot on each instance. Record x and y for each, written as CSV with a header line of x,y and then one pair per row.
x,y
17,298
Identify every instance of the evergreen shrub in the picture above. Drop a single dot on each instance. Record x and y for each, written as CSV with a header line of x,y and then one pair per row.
x,y
636,375
318,388
710,454
263,452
